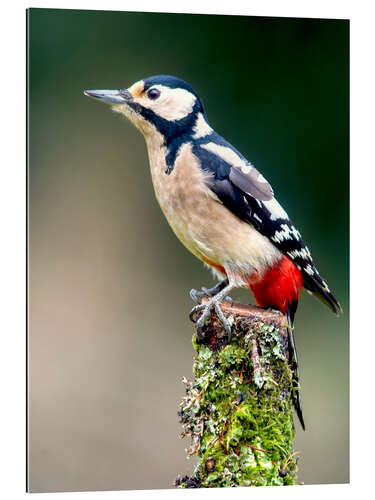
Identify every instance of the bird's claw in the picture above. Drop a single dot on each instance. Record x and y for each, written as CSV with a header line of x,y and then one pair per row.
x,y
207,309
197,295
194,311
208,293
215,296
204,294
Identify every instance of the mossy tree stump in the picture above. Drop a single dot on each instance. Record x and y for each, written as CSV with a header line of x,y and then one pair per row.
x,y
238,410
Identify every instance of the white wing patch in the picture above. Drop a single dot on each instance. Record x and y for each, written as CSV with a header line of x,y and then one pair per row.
x,y
304,253
276,210
286,233
228,155
309,270
242,173
246,169
261,179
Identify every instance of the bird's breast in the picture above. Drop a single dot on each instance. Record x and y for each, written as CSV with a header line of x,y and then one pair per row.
x,y
183,196
198,218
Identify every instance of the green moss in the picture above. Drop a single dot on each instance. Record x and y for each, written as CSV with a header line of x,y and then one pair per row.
x,y
238,412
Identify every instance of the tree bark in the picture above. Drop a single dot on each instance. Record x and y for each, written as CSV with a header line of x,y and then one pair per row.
x,y
238,410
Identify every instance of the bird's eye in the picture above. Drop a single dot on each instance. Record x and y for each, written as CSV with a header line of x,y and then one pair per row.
x,y
153,94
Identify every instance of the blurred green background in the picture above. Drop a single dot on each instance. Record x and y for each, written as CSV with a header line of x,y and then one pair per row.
x,y
109,336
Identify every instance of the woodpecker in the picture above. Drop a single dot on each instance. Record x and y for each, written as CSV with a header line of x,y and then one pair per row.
x,y
219,205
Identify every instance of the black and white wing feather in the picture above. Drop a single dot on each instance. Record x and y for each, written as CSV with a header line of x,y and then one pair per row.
x,y
243,190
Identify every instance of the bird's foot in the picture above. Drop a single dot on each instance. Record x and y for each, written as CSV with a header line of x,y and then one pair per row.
x,y
207,293
209,306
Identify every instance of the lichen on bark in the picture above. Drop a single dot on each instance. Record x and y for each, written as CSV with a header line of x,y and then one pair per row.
x,y
238,410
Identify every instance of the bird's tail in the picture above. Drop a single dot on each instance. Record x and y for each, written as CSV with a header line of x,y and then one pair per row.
x,y
293,360
315,285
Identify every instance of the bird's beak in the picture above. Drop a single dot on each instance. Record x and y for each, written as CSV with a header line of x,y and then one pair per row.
x,y
110,96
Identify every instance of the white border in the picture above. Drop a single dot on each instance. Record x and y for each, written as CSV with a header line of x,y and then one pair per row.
x,y
288,8
12,213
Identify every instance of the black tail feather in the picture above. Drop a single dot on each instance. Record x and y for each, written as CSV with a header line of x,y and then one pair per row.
x,y
317,286
293,360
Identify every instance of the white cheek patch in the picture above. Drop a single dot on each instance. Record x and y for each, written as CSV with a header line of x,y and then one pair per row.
x,y
173,104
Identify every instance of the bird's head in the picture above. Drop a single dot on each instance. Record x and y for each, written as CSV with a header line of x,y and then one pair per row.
x,y
160,103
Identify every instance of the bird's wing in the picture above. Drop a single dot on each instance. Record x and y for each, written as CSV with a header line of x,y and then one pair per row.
x,y
243,190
